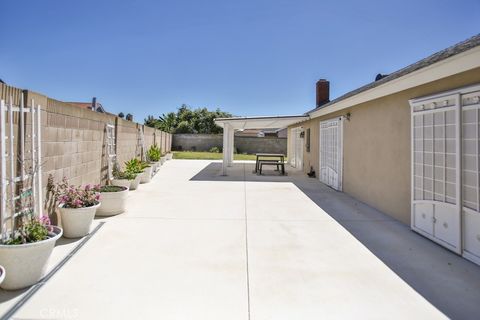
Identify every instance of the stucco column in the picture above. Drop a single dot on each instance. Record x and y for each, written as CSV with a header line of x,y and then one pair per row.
x,y
225,148
231,137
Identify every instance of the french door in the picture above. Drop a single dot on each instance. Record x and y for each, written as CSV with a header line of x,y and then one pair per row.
x,y
331,147
445,170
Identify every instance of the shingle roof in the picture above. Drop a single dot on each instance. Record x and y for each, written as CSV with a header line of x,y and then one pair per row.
x,y
434,58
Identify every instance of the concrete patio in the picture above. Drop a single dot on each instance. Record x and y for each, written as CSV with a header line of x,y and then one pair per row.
x,y
197,245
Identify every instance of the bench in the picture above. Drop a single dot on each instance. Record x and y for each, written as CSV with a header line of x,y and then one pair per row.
x,y
276,163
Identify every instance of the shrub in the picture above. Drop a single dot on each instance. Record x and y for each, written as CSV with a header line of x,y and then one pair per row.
x,y
77,197
144,165
32,229
122,175
154,153
133,166
215,150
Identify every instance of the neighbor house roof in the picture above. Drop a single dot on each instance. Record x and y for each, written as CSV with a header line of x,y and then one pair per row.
x,y
455,50
88,105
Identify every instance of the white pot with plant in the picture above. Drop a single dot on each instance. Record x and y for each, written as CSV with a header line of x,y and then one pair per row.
x,y
2,274
163,158
113,200
24,253
77,208
154,154
122,178
134,166
146,176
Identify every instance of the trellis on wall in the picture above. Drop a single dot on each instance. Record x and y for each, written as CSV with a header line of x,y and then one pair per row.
x,y
140,148
110,149
20,175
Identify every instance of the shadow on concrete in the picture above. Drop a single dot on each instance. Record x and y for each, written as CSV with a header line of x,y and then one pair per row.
x,y
448,281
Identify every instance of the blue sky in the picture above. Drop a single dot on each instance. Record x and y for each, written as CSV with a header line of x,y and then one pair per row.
x,y
259,57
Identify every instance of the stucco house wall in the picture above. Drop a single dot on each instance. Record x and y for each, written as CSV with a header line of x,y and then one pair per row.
x,y
376,146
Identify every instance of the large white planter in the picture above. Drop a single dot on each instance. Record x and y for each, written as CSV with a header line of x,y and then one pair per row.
x,y
76,222
155,166
135,182
146,176
169,156
2,275
163,159
112,203
26,264
121,182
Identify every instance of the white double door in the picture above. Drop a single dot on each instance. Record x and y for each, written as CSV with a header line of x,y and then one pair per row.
x,y
445,170
331,146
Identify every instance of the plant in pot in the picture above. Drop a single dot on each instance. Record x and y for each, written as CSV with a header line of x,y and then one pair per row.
x,y
113,200
146,176
77,207
122,178
163,158
153,154
134,167
24,252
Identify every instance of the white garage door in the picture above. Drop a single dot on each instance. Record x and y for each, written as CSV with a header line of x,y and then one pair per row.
x,y
331,153
445,170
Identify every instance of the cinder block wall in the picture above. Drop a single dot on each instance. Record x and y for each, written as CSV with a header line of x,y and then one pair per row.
x,y
73,138
204,142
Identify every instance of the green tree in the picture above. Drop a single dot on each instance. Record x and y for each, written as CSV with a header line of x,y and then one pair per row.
x,y
188,120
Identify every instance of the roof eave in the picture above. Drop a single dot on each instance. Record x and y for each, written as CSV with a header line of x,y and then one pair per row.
x,y
461,62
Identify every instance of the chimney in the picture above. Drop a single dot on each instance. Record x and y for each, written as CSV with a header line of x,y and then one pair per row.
x,y
94,104
323,92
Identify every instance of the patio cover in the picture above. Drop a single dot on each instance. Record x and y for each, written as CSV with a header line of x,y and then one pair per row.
x,y
241,123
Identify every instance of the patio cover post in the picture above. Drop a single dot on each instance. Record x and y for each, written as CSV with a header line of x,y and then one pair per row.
x,y
226,152
231,146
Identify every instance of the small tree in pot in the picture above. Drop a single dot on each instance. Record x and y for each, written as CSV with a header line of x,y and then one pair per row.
x,y
77,207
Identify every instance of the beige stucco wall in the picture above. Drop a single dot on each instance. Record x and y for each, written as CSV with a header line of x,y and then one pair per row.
x,y
376,166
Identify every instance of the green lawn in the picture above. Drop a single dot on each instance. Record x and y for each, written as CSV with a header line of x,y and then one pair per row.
x,y
209,155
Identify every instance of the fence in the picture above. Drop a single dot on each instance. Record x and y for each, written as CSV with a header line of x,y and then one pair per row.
x,y
204,142
72,138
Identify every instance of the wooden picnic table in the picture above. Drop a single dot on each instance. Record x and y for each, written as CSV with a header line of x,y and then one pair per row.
x,y
273,156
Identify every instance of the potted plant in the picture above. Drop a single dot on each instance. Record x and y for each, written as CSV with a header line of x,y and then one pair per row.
x,y
163,158
25,251
2,274
113,200
123,178
77,208
153,155
146,176
134,167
